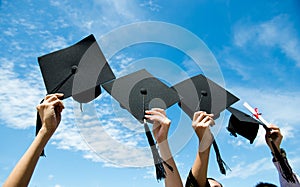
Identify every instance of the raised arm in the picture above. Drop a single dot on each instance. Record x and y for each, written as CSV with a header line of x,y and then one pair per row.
x,y
276,137
201,123
50,113
161,125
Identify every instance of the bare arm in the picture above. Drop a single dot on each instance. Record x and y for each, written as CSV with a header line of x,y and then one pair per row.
x,y
161,125
201,123
49,112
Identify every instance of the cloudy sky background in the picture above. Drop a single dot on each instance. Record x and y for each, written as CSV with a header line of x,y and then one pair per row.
x,y
255,44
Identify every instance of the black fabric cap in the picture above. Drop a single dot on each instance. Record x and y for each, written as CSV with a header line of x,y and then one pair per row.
x,y
76,71
200,93
242,124
130,90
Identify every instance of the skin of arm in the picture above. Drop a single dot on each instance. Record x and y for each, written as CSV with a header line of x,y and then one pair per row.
x,y
50,113
201,123
161,125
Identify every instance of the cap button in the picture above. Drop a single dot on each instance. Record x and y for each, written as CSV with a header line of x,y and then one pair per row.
x,y
203,92
74,69
143,91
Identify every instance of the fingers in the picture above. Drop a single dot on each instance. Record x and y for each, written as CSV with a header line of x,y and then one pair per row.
x,y
273,130
157,115
203,119
53,97
58,104
57,95
201,113
272,126
156,111
53,100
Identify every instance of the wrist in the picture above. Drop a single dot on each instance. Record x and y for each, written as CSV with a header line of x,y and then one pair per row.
x,y
162,141
46,132
204,147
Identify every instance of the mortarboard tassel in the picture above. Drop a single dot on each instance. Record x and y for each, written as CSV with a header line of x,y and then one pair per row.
x,y
158,161
220,161
160,171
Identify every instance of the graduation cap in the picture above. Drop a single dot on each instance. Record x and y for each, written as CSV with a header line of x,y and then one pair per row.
x,y
200,93
140,91
76,71
242,124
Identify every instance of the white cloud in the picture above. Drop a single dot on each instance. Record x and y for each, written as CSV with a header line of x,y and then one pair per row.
x,y
103,15
276,33
151,5
56,43
240,68
150,174
19,97
243,170
50,177
111,144
191,67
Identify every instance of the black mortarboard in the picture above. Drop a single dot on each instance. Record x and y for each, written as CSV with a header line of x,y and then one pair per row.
x,y
202,94
242,124
140,91
127,91
75,71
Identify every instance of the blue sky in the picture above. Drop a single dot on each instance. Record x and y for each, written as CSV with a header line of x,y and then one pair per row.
x,y
254,49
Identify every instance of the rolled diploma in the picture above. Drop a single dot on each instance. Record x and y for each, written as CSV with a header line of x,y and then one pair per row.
x,y
253,112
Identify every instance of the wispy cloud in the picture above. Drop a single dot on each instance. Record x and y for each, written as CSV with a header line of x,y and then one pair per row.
x,y
241,69
278,32
152,5
50,177
19,97
244,170
56,43
103,15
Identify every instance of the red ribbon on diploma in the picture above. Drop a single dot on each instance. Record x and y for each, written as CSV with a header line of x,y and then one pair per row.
x,y
256,114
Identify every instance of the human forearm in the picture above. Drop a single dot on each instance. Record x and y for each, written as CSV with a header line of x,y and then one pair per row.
x,y
200,167
172,177
21,174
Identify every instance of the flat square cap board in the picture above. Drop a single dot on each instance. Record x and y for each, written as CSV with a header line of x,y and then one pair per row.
x,y
140,91
242,124
200,93
76,71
